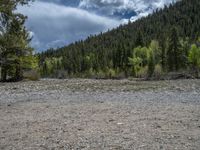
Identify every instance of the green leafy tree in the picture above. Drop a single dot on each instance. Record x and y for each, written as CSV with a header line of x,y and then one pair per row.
x,y
156,50
154,56
185,47
194,58
135,62
139,59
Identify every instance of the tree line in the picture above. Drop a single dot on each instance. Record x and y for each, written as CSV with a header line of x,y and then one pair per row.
x,y
165,41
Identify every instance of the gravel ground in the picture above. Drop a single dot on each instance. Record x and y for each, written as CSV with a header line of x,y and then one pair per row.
x,y
100,115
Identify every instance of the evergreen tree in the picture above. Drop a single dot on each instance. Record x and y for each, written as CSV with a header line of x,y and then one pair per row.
x,y
163,47
16,55
139,39
173,54
185,47
151,63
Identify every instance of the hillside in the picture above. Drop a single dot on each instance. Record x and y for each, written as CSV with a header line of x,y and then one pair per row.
x,y
109,54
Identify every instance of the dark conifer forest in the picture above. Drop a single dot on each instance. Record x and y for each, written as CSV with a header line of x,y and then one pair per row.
x,y
165,41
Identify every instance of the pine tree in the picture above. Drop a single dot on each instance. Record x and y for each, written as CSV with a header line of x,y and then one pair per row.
x,y
163,47
14,41
151,63
173,54
139,39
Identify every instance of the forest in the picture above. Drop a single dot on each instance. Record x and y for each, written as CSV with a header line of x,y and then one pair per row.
x,y
165,41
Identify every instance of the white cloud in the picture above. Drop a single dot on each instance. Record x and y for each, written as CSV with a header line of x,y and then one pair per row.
x,y
112,6
56,25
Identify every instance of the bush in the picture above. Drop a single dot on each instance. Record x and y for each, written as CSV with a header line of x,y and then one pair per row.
x,y
100,75
143,72
32,75
158,71
61,74
90,73
111,73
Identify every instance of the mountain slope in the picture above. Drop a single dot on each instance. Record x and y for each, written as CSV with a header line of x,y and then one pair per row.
x,y
112,49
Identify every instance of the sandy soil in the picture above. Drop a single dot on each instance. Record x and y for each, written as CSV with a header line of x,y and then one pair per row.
x,y
100,115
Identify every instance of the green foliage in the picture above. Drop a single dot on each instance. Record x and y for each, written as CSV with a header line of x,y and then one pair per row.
x,y
15,53
143,54
111,73
194,56
32,75
173,53
149,46
30,62
143,57
136,62
158,71
143,72
185,47
155,51
90,73
51,66
151,63
100,75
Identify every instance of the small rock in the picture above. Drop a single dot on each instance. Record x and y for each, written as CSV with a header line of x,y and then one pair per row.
x,y
111,120
119,123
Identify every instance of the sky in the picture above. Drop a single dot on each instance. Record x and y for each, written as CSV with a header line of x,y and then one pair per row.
x,y
56,23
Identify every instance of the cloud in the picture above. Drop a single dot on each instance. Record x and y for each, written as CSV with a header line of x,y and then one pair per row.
x,y
55,25
63,2
112,6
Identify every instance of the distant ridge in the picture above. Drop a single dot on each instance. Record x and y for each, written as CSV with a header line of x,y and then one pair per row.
x,y
113,48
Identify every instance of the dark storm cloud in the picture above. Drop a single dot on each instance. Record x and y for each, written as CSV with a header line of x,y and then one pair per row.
x,y
56,23
63,2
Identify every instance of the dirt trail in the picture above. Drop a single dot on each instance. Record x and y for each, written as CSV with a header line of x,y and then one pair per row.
x,y
100,115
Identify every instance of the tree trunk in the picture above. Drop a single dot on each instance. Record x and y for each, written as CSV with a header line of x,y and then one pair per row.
x,y
18,73
3,74
197,72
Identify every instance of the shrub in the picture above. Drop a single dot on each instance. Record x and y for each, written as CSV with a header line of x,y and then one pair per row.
x,y
32,75
143,72
111,73
90,73
61,74
100,74
158,71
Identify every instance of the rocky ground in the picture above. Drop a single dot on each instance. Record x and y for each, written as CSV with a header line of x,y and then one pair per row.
x,y
100,115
